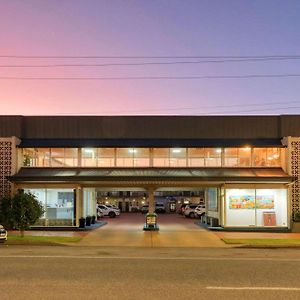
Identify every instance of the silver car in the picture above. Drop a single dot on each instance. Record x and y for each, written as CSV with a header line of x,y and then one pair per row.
x,y
3,234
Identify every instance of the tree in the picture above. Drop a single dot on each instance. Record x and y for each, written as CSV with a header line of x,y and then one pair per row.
x,y
21,211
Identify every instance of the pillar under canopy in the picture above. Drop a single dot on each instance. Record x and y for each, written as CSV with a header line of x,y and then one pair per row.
x,y
151,200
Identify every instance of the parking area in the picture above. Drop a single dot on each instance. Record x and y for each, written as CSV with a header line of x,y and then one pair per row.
x,y
174,231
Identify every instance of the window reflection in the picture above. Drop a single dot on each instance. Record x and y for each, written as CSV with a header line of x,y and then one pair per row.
x,y
161,157
106,157
213,157
89,157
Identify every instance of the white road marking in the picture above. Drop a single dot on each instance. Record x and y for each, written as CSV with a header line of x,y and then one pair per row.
x,y
155,258
250,288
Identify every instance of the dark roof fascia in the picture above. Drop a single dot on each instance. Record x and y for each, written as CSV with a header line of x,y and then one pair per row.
x,y
159,143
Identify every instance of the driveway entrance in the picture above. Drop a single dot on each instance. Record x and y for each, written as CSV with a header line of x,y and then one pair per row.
x,y
175,231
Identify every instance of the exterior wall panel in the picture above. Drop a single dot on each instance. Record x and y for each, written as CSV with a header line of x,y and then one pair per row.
x,y
160,127
11,126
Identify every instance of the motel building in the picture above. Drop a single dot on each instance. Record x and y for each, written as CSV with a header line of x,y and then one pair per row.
x,y
244,168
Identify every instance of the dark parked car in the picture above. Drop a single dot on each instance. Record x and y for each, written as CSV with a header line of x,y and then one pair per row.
x,y
160,208
144,209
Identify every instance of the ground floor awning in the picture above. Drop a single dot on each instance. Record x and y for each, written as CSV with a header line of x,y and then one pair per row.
x,y
226,175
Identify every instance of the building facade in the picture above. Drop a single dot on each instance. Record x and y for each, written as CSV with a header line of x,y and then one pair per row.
x,y
244,168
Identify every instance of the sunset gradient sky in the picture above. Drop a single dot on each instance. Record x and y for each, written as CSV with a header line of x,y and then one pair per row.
x,y
148,28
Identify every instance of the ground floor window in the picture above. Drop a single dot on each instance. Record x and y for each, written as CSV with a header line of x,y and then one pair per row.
x,y
58,205
256,207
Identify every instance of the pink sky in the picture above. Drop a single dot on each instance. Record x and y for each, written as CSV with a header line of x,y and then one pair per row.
x,y
148,28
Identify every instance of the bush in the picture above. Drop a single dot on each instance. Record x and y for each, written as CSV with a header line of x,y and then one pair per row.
x,y
21,211
296,216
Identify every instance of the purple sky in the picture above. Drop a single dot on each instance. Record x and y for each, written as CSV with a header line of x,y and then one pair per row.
x,y
149,28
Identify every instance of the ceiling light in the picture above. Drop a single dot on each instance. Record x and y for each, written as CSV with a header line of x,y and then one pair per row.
x,y
132,150
176,150
88,150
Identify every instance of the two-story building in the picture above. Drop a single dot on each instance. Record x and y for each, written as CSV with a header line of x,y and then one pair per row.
x,y
245,168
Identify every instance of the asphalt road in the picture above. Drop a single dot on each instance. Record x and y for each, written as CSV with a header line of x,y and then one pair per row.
x,y
136,273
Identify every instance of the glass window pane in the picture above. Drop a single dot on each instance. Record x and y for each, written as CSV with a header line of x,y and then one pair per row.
x,y
196,157
231,157
213,157
60,207
244,157
273,157
259,157
57,157
161,157
89,157
271,207
240,207
43,159
106,157
30,157
141,157
71,157
178,157
125,157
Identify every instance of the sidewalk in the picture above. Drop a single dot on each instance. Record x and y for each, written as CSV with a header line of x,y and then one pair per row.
x,y
256,235
175,231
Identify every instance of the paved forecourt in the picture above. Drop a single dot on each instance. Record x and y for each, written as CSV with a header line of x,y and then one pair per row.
x,y
175,231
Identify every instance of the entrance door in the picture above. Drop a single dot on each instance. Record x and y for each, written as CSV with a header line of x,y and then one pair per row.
x,y
127,206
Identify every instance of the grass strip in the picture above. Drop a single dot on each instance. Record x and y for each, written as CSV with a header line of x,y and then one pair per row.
x,y
263,242
41,240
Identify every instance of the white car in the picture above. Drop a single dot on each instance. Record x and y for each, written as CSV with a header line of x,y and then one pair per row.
x,y
200,210
3,234
109,211
194,210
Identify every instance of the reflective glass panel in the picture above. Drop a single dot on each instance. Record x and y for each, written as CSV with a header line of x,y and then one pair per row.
x,y
196,157
213,157
141,157
57,157
71,157
161,157
259,157
106,157
89,157
273,157
125,157
178,157
231,157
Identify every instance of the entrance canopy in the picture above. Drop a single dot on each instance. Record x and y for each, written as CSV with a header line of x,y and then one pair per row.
x,y
226,175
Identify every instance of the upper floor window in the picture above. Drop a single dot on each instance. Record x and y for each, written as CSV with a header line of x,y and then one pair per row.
x,y
237,157
152,157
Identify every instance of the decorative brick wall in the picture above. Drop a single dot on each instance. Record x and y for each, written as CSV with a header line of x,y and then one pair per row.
x,y
295,172
6,161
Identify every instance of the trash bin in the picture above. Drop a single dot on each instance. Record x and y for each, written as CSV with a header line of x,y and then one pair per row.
x,y
82,223
151,222
93,220
88,221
